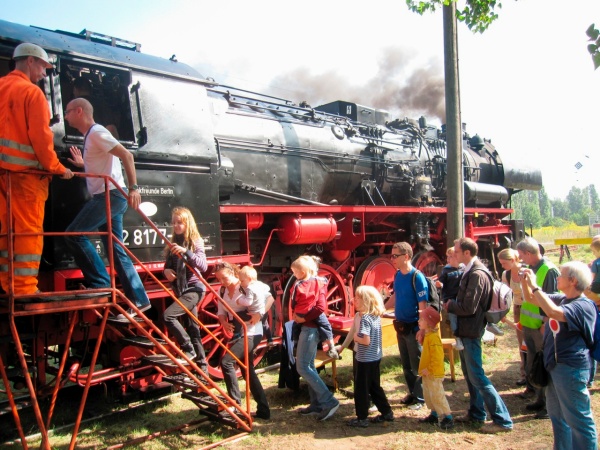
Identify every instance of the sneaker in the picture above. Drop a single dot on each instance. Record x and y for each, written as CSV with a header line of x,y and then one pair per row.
x,y
132,313
447,423
542,414
458,345
527,393
358,423
493,328
415,406
191,354
494,428
537,406
468,418
309,411
373,409
408,399
389,417
261,415
333,353
328,412
431,418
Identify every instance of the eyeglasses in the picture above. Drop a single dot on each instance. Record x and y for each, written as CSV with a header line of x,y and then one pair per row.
x,y
394,256
69,110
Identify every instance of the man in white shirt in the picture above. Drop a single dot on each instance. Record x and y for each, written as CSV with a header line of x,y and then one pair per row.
x,y
102,155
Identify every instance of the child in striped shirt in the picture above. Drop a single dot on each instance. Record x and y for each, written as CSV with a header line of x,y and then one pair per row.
x,y
367,338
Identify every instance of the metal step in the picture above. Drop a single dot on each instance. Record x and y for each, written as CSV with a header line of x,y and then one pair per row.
x,y
162,361
182,380
205,400
223,417
123,322
141,341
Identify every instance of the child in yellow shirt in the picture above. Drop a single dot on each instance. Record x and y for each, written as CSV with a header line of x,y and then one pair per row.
x,y
431,370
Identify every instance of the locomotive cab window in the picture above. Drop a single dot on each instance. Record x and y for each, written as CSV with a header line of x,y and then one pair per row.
x,y
6,62
106,89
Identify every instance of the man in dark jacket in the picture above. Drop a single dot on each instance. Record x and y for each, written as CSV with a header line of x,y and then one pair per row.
x,y
472,301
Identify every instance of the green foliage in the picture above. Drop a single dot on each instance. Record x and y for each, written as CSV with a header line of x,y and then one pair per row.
x,y
527,207
478,15
537,210
594,199
594,48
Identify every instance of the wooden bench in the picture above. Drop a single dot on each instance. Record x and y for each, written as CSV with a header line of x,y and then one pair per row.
x,y
321,360
448,345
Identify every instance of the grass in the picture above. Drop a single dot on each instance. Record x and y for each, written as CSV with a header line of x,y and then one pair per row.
x,y
291,431
547,235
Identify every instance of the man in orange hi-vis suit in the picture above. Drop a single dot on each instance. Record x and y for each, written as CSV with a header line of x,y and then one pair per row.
x,y
26,143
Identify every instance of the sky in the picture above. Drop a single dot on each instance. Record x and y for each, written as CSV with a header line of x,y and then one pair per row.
x,y
527,83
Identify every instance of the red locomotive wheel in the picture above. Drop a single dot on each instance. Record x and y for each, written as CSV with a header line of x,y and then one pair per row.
x,y
427,262
376,271
338,298
207,314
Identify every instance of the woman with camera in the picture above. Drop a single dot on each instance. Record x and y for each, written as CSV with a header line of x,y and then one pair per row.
x,y
568,331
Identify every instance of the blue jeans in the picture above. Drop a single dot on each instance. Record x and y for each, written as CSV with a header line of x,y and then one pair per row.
x,y
92,217
453,322
320,397
482,392
569,407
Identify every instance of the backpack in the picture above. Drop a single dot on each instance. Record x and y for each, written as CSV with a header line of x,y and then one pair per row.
x,y
433,298
500,301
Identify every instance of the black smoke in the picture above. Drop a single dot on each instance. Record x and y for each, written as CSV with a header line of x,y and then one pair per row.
x,y
397,88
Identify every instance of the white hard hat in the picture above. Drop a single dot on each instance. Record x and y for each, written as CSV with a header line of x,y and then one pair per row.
x,y
28,49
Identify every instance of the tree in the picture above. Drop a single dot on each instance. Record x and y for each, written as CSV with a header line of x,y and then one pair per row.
x,y
545,206
594,48
578,201
594,199
527,207
560,209
478,15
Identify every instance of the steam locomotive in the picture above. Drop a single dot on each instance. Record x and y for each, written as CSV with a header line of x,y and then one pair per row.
x,y
267,179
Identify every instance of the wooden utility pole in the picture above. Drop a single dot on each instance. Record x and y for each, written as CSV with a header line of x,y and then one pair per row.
x,y
455,198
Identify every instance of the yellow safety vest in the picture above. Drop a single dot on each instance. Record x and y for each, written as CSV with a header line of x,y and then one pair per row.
x,y
531,316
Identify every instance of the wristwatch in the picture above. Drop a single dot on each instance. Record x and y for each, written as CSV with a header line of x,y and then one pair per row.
x,y
134,187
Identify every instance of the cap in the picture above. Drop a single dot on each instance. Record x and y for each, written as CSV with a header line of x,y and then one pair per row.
x,y
431,316
27,49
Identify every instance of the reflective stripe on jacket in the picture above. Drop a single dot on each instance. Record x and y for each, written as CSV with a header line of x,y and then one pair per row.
x,y
26,140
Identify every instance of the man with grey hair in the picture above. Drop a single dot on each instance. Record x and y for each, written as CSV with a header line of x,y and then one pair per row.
x,y
569,332
531,319
26,143
407,300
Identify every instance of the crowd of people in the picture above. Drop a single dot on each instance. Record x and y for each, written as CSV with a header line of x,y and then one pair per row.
x,y
554,311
